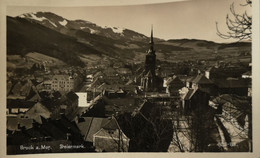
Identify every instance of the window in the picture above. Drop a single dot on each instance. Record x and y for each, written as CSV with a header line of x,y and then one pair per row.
x,y
111,132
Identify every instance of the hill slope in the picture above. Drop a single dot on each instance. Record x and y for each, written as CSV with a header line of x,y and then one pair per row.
x,y
79,42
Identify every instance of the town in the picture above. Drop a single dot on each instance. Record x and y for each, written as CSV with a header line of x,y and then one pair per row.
x,y
153,106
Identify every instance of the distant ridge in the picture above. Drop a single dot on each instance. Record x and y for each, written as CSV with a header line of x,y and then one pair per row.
x,y
80,42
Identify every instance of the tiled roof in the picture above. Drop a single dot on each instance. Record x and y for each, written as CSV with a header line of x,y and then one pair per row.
x,y
16,89
174,80
90,126
249,73
12,123
37,111
60,77
19,103
233,83
111,125
111,135
201,79
72,96
116,87
9,86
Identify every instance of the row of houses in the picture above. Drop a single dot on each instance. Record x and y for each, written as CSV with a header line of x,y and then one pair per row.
x,y
196,94
99,133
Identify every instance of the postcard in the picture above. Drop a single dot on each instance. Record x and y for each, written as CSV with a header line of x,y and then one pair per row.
x,y
121,79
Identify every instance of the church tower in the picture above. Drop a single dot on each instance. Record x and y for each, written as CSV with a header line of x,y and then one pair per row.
x,y
149,79
150,61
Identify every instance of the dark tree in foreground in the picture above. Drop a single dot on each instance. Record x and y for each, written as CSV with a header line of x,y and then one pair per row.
x,y
239,25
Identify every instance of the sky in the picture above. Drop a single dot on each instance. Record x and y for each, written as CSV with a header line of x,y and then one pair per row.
x,y
192,19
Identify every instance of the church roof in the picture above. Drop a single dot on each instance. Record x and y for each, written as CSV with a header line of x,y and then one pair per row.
x,y
150,51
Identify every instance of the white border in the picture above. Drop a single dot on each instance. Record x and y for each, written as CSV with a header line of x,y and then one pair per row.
x,y
256,81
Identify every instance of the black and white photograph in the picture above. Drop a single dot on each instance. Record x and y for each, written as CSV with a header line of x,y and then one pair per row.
x,y
169,76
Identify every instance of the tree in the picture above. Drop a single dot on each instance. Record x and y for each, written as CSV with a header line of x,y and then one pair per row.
x,y
237,112
147,129
239,25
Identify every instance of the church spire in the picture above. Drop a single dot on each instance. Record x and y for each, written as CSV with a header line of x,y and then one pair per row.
x,y
149,78
151,40
151,50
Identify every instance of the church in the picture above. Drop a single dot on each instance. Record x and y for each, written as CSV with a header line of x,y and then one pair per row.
x,y
150,82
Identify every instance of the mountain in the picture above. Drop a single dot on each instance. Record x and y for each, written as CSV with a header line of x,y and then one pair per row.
x,y
79,42
73,27
24,37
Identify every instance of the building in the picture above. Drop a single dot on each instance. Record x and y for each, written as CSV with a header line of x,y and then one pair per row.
x,y
21,89
195,100
47,85
37,112
173,85
82,99
201,82
62,83
240,87
88,126
52,136
110,138
17,106
149,81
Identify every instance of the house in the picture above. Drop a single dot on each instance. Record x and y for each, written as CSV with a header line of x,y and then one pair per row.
x,y
173,84
47,85
73,111
119,104
9,86
88,126
95,84
247,74
62,83
110,72
201,82
89,78
17,106
58,135
194,100
240,87
82,99
34,96
110,138
21,88
124,71
37,112
114,93
116,87
16,123
98,74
